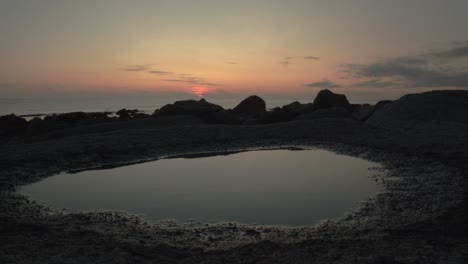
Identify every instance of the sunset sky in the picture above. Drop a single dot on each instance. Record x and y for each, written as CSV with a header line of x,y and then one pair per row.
x,y
363,48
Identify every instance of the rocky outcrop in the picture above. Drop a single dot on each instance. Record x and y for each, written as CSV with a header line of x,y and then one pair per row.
x,y
286,112
333,112
36,126
328,99
251,106
126,113
76,117
362,112
297,108
277,115
12,125
222,117
435,106
188,107
365,111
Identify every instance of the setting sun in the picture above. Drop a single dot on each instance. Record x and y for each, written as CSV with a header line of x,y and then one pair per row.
x,y
199,90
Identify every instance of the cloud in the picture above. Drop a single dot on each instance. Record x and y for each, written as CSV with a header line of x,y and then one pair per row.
x,y
231,62
179,77
325,84
311,58
457,52
138,67
445,68
286,61
375,83
187,78
160,72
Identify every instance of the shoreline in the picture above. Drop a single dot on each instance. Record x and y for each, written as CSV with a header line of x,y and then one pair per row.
x,y
351,226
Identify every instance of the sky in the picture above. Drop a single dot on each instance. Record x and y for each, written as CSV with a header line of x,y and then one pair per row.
x,y
366,49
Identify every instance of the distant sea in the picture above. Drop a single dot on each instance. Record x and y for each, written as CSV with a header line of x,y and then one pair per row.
x,y
45,106
54,105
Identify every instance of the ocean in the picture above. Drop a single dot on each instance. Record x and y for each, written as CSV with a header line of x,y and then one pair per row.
x,y
27,106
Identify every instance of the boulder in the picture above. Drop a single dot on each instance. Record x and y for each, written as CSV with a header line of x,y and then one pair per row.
x,y
363,112
12,125
328,99
251,106
35,126
188,107
436,106
126,113
277,115
381,104
141,115
297,108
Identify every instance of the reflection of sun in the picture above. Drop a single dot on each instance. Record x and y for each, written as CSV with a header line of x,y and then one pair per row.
x,y
199,90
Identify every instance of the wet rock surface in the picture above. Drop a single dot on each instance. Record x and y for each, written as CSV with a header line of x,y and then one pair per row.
x,y
420,217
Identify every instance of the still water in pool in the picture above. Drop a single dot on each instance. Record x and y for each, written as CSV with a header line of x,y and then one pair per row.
x,y
270,187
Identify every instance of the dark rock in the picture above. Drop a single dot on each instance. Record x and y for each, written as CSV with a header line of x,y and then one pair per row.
x,y
222,117
381,104
251,106
297,108
188,107
435,106
334,112
328,99
73,117
286,112
141,115
363,112
35,127
76,117
277,115
127,113
12,125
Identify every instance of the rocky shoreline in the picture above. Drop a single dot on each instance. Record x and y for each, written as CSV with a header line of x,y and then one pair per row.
x,y
418,218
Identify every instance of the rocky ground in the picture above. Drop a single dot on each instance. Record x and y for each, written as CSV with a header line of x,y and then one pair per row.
x,y
419,218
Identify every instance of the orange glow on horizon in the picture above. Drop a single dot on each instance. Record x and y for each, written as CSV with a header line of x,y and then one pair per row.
x,y
199,90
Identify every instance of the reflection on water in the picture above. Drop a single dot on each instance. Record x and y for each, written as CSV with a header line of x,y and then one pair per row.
x,y
272,187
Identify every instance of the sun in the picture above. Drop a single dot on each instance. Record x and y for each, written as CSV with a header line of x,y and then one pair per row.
x,y
199,90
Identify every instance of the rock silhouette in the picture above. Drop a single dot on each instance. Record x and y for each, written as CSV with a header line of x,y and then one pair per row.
x,y
126,113
435,106
252,105
12,125
363,112
77,117
188,107
328,99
